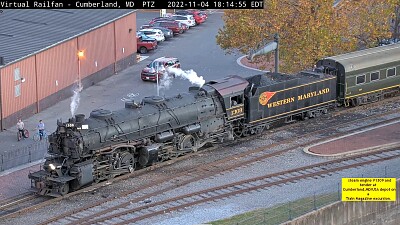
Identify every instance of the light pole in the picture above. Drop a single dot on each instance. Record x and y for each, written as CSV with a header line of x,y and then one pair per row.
x,y
158,90
81,54
276,39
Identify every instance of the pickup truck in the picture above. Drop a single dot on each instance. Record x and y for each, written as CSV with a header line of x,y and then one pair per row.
x,y
145,44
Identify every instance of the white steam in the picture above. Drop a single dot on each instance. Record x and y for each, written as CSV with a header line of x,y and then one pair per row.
x,y
190,75
165,81
75,98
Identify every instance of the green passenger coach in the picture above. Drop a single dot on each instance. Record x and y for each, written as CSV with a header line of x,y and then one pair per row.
x,y
365,76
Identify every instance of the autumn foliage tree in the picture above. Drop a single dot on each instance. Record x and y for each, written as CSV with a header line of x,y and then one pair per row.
x,y
309,29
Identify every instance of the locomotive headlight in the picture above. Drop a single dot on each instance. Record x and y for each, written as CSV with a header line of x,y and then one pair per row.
x,y
52,166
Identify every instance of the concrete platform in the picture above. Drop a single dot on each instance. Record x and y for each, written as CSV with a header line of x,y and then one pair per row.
x,y
383,136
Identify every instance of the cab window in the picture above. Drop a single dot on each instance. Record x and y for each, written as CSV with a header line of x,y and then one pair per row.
x,y
236,100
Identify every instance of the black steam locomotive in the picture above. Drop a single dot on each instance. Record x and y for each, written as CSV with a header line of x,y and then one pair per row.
x,y
110,143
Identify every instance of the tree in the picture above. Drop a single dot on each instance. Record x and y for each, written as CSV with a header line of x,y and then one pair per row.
x,y
395,22
309,29
368,20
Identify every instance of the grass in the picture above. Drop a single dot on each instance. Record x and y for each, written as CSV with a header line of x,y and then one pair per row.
x,y
280,213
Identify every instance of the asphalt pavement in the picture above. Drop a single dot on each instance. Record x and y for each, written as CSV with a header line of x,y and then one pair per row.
x,y
207,59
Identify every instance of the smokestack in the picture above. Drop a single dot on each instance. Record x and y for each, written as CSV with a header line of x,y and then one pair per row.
x,y
1,61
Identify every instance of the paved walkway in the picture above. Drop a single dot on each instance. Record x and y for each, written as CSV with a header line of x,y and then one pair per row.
x,y
381,136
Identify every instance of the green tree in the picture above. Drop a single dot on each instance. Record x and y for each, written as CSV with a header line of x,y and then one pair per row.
x,y
309,29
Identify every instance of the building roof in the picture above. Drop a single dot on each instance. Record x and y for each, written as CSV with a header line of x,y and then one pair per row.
x,y
27,31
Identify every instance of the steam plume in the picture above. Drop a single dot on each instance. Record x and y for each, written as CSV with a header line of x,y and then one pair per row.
x,y
76,98
188,74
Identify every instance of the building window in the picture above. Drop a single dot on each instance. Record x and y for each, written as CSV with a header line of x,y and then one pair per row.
x,y
17,74
360,79
391,72
374,76
17,90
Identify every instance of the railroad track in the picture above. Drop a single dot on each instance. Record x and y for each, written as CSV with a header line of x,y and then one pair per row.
x,y
19,202
234,162
208,170
127,213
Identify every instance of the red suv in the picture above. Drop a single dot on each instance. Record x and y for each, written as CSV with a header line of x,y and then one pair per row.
x,y
149,73
176,27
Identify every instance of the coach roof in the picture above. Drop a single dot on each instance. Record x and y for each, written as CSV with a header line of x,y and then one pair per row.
x,y
367,58
24,32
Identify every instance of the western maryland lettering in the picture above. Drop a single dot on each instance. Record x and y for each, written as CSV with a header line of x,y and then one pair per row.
x,y
266,96
280,102
313,94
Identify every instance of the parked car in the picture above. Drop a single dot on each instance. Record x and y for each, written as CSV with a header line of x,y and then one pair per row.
x,y
199,16
159,66
185,19
175,26
153,33
184,26
145,44
161,19
167,32
195,13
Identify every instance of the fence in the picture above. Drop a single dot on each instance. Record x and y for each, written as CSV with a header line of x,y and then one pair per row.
x,y
290,210
21,156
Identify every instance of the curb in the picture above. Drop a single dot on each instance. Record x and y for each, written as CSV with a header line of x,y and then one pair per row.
x,y
238,61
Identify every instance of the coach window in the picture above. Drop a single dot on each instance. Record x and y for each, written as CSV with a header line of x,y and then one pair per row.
x,y
374,76
390,72
360,79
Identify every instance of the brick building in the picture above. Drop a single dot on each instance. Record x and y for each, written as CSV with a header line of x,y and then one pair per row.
x,y
39,62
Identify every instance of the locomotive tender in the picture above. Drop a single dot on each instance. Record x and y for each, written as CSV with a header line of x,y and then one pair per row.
x,y
110,143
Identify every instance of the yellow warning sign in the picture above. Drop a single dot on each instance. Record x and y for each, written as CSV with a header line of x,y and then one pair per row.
x,y
368,189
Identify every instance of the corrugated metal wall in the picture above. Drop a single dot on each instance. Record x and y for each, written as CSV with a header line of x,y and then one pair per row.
x,y
11,80
50,73
57,68
125,36
99,49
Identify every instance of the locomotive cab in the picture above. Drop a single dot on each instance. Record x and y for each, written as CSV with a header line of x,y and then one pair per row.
x,y
231,89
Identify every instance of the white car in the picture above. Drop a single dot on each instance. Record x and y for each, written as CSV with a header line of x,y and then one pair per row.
x,y
153,33
185,19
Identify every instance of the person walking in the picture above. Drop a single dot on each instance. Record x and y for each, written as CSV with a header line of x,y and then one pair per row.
x,y
21,127
40,128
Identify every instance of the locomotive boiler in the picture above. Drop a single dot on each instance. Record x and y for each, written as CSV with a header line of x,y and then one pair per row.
x,y
109,143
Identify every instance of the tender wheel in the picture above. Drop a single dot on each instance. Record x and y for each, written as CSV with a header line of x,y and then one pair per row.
x,y
64,189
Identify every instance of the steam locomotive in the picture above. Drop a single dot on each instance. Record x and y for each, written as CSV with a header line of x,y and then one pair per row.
x,y
110,143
